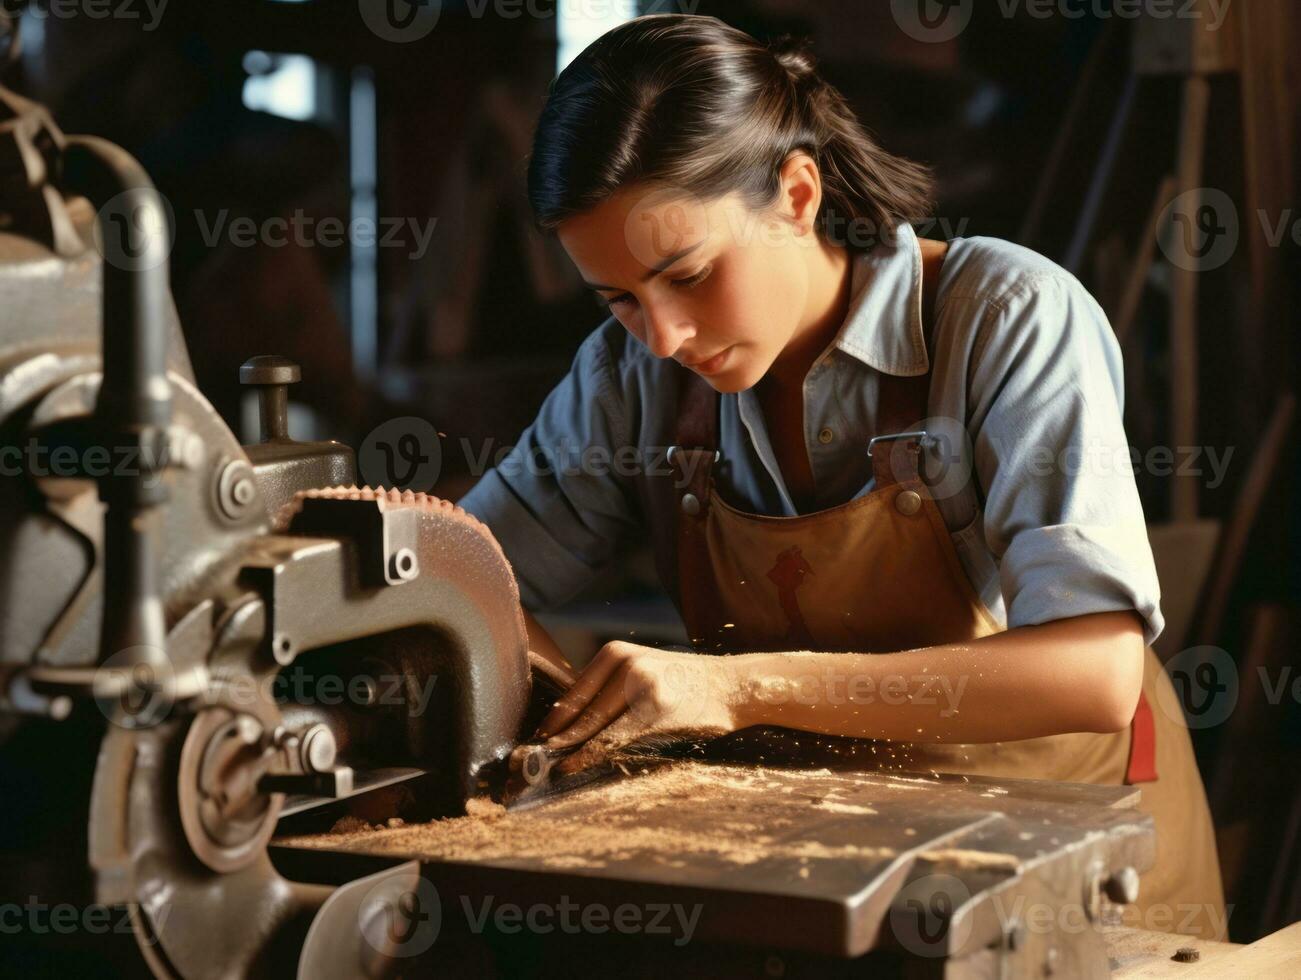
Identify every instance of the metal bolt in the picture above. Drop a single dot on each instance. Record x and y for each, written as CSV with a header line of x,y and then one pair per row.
x,y
690,504
236,489
1050,961
403,565
908,503
532,762
1015,935
282,648
1122,887
248,730
318,750
1187,954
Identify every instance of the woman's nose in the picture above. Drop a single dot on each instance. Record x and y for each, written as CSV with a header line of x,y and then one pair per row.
x,y
666,331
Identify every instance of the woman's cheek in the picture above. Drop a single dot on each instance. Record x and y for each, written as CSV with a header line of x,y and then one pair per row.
x,y
737,309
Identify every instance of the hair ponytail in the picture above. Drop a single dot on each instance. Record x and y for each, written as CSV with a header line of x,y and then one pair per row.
x,y
863,186
688,101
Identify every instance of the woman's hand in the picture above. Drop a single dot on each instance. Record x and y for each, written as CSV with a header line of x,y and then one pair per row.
x,y
631,692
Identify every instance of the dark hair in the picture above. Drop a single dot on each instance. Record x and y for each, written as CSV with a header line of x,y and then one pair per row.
x,y
687,101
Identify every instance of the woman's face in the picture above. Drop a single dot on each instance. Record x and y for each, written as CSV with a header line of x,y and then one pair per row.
x,y
714,285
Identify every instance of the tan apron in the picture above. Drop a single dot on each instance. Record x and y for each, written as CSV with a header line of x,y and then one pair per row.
x,y
880,574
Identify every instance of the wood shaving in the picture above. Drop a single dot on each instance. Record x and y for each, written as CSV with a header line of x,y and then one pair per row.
x,y
729,814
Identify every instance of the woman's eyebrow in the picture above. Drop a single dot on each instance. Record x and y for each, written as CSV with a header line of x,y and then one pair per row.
x,y
652,272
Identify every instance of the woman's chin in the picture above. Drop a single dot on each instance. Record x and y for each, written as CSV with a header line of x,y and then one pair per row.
x,y
729,382
739,377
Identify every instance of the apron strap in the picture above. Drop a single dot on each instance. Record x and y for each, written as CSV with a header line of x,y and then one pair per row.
x,y
684,553
692,459
902,402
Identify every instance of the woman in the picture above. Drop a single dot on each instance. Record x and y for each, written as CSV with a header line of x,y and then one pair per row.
x,y
774,318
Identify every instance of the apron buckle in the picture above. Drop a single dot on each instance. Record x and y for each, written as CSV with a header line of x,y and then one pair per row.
x,y
669,455
924,439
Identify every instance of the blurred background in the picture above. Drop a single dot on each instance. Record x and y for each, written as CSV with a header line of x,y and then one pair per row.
x,y
1150,148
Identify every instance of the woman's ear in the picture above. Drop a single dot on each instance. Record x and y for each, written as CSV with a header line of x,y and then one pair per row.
x,y
801,190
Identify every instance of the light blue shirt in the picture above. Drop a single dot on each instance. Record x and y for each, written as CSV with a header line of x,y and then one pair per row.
x,y
1031,467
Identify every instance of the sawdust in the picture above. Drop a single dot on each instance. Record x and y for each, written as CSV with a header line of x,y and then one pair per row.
x,y
973,859
352,825
485,808
836,807
608,823
676,816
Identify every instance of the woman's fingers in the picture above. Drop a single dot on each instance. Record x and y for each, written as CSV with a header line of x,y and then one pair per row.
x,y
589,684
609,704
620,732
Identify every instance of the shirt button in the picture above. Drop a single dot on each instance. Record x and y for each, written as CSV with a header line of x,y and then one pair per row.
x,y
825,436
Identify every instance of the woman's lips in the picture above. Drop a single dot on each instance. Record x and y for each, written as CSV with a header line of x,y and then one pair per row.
x,y
713,365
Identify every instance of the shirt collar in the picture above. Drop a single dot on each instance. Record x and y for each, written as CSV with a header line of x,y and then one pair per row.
x,y
883,327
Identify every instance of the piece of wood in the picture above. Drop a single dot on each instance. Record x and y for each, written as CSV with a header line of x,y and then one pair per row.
x,y
1190,38
1084,86
1102,172
1183,554
1141,266
1271,79
1265,630
1237,532
1137,954
1277,955
1282,898
1183,299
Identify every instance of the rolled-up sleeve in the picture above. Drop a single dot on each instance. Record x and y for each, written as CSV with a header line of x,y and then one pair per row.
x,y
1062,513
554,502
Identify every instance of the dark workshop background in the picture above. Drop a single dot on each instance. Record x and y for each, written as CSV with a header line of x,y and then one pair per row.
x,y
1074,133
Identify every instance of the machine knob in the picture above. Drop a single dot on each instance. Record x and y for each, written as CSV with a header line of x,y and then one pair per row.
x,y
272,375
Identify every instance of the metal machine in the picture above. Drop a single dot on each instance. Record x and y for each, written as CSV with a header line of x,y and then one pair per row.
x,y
171,600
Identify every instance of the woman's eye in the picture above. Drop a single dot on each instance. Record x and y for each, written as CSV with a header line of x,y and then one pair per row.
x,y
623,299
695,280
628,300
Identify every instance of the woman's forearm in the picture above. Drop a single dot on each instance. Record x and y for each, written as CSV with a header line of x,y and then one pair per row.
x,y
545,655
1077,674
